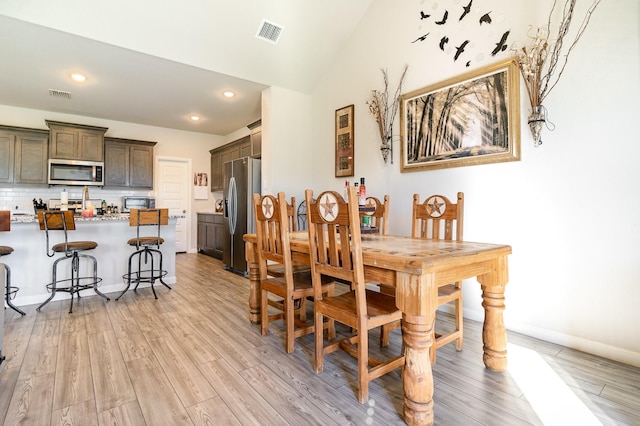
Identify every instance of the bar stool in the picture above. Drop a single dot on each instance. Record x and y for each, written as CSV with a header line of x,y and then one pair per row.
x,y
145,253
10,291
55,220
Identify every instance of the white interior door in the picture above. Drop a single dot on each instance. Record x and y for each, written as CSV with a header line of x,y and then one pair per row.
x,y
173,186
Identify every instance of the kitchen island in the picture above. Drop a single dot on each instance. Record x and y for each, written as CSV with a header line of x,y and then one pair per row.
x,y
31,267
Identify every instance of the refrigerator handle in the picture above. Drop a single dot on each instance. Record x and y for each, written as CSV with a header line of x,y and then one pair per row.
x,y
233,205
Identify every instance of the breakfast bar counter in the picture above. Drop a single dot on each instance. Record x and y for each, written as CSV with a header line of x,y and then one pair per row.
x,y
31,267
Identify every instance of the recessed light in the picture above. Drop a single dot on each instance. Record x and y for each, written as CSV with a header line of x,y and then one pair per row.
x,y
229,94
78,77
194,118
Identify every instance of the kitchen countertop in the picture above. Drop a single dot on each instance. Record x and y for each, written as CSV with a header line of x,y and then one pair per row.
x,y
29,218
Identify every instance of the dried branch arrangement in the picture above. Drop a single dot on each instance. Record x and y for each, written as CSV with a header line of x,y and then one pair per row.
x,y
384,110
539,62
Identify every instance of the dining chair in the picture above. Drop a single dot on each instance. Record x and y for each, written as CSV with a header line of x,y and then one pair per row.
x,y
437,218
336,251
277,270
272,231
380,216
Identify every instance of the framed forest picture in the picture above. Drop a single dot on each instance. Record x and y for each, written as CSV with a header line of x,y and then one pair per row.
x,y
467,120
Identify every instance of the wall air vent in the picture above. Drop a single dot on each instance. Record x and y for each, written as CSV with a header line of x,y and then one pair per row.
x,y
59,94
269,31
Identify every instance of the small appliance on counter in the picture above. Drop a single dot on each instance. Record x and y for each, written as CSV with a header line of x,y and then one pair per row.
x,y
129,203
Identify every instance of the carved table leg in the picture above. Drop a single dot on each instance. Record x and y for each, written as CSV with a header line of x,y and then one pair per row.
x,y
494,334
417,377
254,283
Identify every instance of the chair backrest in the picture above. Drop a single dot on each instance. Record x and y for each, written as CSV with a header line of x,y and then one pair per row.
x,y
272,231
56,220
335,247
291,214
380,217
148,217
437,218
5,220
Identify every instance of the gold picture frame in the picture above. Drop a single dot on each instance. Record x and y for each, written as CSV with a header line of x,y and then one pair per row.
x,y
463,121
344,142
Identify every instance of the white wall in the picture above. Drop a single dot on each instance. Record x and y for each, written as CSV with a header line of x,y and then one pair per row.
x,y
286,137
170,143
569,208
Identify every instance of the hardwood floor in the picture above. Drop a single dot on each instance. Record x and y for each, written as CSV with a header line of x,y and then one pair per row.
x,y
192,357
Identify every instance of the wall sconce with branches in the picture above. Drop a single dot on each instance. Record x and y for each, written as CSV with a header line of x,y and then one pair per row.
x,y
542,63
384,111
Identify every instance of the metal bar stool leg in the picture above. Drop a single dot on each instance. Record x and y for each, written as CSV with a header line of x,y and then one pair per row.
x,y
9,290
128,277
54,282
95,275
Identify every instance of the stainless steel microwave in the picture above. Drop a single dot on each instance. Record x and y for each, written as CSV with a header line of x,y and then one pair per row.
x,y
129,203
75,172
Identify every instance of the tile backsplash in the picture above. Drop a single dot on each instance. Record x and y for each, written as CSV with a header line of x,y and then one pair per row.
x,y
20,199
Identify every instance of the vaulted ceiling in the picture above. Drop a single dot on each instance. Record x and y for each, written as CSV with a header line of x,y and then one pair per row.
x,y
160,62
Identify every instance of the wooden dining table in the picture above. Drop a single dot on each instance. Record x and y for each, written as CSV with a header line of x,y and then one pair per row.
x,y
416,268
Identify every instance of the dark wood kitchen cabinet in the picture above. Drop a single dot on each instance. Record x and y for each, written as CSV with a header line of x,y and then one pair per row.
x,y
248,146
70,141
210,234
128,163
23,156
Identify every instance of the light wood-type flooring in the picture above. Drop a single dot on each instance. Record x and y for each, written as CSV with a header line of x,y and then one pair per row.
x,y
192,357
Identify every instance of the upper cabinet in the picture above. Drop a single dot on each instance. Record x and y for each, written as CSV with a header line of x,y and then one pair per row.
x,y
128,163
76,141
23,156
256,138
248,146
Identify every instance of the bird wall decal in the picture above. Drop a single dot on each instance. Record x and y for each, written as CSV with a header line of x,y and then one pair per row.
x,y
444,40
460,49
423,15
501,46
467,9
485,18
444,18
421,38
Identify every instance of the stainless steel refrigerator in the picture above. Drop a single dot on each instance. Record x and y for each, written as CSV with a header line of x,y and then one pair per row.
x,y
241,181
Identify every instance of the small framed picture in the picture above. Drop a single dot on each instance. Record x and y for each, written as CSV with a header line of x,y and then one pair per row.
x,y
344,141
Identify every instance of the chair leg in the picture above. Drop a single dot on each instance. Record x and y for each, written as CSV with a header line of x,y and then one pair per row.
x,y
264,312
95,276
8,290
54,282
289,324
363,368
319,343
459,320
128,276
160,273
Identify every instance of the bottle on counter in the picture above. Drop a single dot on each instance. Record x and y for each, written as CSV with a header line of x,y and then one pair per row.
x,y
355,185
346,190
104,207
362,199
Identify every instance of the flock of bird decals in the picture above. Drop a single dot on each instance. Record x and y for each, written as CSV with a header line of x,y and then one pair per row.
x,y
500,46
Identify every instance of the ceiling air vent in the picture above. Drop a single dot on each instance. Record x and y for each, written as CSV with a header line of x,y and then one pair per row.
x,y
269,31
59,94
